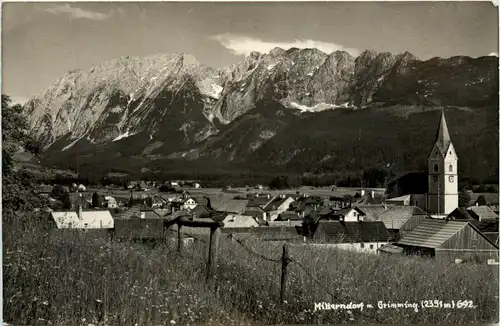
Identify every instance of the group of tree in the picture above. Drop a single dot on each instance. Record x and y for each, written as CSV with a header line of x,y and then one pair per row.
x,y
19,198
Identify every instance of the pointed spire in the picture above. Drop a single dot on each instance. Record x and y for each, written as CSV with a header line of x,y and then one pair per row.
x,y
443,136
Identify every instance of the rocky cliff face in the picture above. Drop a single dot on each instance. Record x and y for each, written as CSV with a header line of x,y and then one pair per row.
x,y
172,107
127,96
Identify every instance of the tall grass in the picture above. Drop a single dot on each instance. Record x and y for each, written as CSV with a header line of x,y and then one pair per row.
x,y
77,278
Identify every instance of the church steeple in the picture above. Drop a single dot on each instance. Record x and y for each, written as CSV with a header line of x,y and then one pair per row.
x,y
443,136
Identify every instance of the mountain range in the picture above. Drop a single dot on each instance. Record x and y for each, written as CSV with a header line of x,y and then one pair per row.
x,y
296,110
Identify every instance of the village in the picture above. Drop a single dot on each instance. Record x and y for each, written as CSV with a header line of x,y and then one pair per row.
x,y
417,214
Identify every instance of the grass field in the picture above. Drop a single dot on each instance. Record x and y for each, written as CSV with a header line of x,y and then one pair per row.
x,y
78,279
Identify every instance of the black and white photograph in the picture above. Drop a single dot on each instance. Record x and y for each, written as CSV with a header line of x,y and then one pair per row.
x,y
250,163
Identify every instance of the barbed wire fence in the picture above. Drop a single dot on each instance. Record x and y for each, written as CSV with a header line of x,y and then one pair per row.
x,y
285,261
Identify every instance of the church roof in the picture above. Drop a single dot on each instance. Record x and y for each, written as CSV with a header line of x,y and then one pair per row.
x,y
443,136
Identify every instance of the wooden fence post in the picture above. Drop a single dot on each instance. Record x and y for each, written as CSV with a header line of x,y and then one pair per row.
x,y
179,238
284,264
212,250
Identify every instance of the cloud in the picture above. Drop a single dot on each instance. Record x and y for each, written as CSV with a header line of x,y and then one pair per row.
x,y
75,12
243,45
493,54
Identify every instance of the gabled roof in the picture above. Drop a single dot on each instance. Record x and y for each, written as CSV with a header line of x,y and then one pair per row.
x,y
482,212
258,201
351,232
373,212
396,216
275,203
239,221
432,233
460,213
90,219
229,206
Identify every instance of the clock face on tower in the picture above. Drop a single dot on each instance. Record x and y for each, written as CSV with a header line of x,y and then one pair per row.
x,y
451,178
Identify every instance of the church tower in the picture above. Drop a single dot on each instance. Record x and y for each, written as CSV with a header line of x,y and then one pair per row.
x,y
442,197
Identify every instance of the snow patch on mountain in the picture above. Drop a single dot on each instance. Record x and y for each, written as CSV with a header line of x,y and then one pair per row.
x,y
124,135
65,148
316,108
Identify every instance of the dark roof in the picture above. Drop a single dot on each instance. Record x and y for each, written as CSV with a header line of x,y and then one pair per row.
x,y
288,215
432,233
135,212
460,213
258,201
492,236
351,232
487,226
229,206
201,211
201,200
46,188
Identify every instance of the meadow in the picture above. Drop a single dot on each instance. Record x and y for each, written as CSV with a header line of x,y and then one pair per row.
x,y
63,278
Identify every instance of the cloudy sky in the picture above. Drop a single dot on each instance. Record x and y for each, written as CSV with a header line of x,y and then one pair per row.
x,y
42,41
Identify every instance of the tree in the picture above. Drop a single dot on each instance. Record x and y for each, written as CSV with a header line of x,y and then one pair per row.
x,y
18,195
66,201
349,199
463,199
481,201
57,192
96,200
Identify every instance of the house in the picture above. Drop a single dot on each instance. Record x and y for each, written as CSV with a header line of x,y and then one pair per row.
x,y
349,214
449,241
482,213
83,219
196,185
235,206
336,201
110,202
400,220
373,212
201,211
289,216
188,204
139,222
353,235
81,188
277,206
259,201
256,211
239,221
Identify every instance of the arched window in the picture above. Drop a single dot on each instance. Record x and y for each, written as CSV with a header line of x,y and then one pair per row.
x,y
436,168
450,168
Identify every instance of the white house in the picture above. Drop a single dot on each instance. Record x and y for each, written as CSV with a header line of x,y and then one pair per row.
x,y
357,236
277,206
189,204
81,188
83,219
110,202
351,214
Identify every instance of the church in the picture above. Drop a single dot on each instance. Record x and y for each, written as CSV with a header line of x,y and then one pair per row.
x,y
435,191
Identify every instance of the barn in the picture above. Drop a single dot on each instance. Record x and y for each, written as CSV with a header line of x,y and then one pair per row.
x,y
449,241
